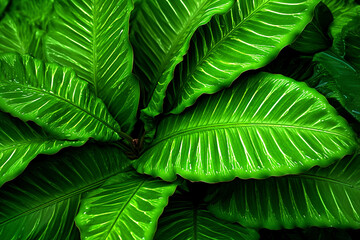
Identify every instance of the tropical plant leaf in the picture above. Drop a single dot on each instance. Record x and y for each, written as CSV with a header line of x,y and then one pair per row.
x,y
20,143
43,202
339,80
19,36
339,7
126,206
183,219
92,38
351,42
342,21
161,32
266,125
54,98
33,11
314,38
3,4
323,197
248,37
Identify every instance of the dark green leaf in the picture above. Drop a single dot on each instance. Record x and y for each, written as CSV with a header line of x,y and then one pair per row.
x,y
126,206
54,98
248,37
43,202
265,125
92,38
183,219
3,4
323,197
314,38
20,143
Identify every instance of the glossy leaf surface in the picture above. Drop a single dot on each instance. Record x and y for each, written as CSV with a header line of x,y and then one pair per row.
x,y
21,143
323,197
248,37
92,38
43,201
126,206
265,125
161,32
314,38
54,98
339,80
183,219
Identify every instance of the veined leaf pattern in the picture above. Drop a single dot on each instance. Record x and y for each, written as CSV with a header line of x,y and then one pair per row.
x,y
92,38
54,98
20,143
183,219
322,197
126,206
43,201
161,32
247,37
265,125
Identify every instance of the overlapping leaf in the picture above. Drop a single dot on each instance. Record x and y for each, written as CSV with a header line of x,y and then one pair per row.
x,y
266,125
161,32
54,98
248,37
20,143
323,197
3,4
183,219
339,80
92,38
43,201
314,38
126,206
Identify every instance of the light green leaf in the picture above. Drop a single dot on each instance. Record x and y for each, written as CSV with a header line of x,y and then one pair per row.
x,y
54,98
161,32
20,143
314,38
339,80
92,38
183,219
322,197
342,21
42,202
126,206
248,37
265,125
339,7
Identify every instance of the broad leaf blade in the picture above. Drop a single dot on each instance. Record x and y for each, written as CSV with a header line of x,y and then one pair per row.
x,y
266,125
183,219
126,206
161,32
3,4
21,143
248,37
92,38
323,197
339,80
43,202
54,98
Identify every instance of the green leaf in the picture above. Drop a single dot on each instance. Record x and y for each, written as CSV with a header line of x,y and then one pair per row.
x,y
248,37
3,4
351,42
20,143
183,219
322,197
314,38
126,206
265,125
19,36
92,38
339,80
342,21
339,7
33,11
161,32
54,98
43,201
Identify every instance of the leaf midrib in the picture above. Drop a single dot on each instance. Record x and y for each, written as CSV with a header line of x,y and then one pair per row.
x,y
199,63
238,125
60,198
323,179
